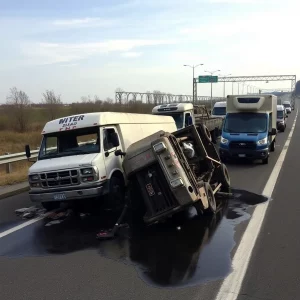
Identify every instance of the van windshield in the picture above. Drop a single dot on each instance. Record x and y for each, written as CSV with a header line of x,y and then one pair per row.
x,y
245,123
280,114
178,118
71,142
287,105
219,111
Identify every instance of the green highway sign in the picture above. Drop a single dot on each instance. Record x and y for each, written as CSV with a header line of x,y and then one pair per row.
x,y
207,79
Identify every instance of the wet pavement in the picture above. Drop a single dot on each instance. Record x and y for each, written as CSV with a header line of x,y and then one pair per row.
x,y
184,251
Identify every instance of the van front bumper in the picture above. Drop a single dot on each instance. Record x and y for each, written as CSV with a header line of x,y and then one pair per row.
x,y
69,194
244,153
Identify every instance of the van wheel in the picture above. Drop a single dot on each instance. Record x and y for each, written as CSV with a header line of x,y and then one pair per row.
x,y
116,195
273,145
265,161
50,205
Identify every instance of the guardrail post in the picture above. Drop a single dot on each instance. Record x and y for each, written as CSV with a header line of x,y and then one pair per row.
x,y
8,166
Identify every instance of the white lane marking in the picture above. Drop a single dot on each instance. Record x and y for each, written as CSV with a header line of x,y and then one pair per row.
x,y
231,286
9,231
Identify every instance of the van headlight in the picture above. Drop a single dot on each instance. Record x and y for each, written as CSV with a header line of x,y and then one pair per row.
x,y
87,171
34,177
224,141
262,141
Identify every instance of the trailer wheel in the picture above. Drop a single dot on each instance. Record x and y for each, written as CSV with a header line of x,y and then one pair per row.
x,y
223,177
212,205
207,133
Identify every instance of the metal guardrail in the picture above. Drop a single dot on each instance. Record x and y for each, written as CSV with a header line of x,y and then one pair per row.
x,y
10,158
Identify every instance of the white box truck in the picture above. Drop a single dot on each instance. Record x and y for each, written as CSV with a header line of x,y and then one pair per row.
x,y
77,158
249,129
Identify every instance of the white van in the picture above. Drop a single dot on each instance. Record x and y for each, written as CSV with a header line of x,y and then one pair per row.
x,y
219,110
77,158
287,105
281,118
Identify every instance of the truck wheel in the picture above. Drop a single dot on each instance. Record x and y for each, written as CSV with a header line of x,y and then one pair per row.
x,y
223,177
212,206
116,195
265,161
273,145
51,205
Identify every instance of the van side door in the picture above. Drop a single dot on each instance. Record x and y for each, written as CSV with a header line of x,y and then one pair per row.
x,y
111,161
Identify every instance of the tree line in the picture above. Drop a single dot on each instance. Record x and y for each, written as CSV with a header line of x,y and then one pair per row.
x,y
20,114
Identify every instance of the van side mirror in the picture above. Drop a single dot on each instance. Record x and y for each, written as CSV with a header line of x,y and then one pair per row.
x,y
120,153
115,139
27,151
273,131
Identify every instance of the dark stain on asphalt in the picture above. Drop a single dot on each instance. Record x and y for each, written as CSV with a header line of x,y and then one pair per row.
x,y
186,250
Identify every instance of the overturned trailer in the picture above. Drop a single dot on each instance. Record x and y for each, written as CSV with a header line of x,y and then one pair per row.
x,y
168,172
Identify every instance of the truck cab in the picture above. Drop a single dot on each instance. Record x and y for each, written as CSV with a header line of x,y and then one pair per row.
x,y
182,113
249,129
287,105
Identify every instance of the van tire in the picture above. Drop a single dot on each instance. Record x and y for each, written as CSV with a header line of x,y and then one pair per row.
x,y
265,161
116,196
273,145
50,205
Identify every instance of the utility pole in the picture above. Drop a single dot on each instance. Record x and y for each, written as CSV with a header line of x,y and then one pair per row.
x,y
211,73
224,83
193,67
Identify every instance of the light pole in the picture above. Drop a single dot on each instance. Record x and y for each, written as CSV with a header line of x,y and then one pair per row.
x,y
193,67
224,83
211,73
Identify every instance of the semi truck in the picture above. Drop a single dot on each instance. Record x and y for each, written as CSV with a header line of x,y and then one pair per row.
x,y
249,129
76,161
186,114
168,172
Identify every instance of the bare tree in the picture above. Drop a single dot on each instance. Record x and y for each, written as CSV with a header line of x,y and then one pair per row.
x,y
109,100
19,102
52,102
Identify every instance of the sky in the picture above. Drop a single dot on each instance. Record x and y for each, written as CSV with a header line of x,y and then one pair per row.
x,y
79,48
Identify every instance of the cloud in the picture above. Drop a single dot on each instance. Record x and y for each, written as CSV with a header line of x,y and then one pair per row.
x,y
50,53
131,54
84,22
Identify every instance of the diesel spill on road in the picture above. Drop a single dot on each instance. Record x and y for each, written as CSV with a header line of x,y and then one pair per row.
x,y
186,250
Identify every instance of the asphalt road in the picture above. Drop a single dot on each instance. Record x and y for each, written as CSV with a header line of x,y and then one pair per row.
x,y
185,259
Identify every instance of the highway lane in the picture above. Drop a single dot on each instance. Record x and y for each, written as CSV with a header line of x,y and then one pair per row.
x,y
273,272
49,263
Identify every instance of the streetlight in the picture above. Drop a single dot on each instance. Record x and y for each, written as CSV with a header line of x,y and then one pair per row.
x,y
211,73
193,67
224,84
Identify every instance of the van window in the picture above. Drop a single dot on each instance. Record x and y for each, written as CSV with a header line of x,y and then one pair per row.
x,y
219,111
107,141
70,142
280,114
